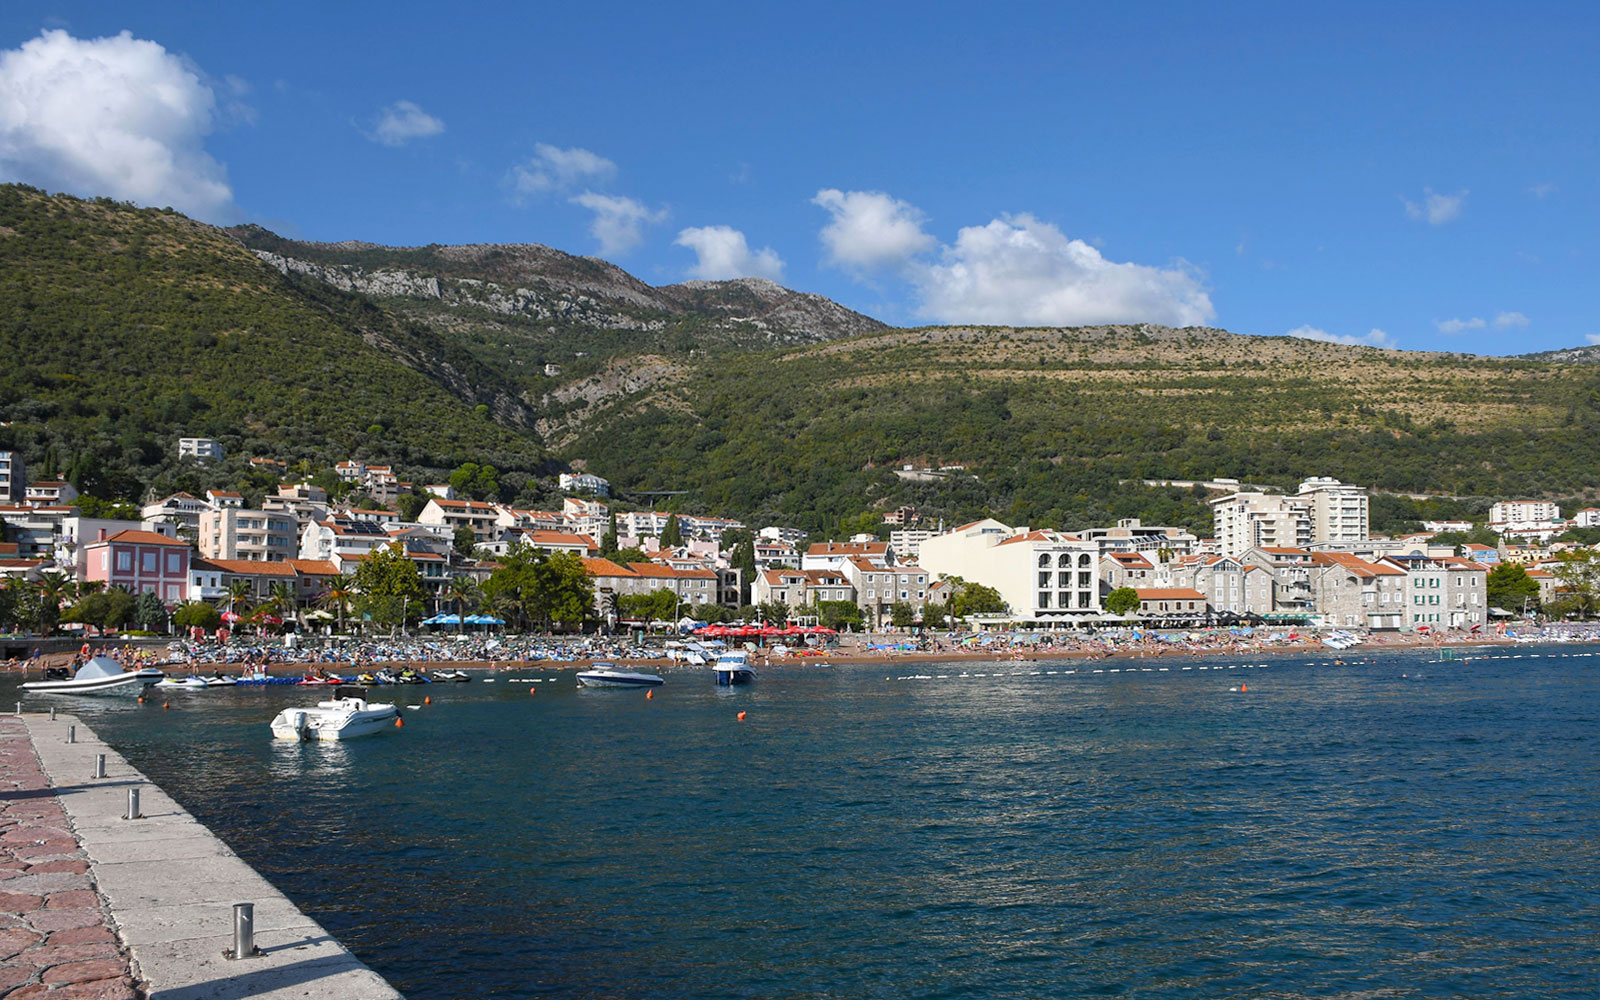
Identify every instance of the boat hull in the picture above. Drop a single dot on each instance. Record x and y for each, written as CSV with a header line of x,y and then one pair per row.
x,y
129,683
617,679
729,676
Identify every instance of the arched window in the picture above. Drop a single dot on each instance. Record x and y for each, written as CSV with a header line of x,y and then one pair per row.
x,y
1064,560
1084,559
1044,560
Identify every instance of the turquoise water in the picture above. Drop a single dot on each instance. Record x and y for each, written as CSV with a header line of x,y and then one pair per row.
x,y
1354,830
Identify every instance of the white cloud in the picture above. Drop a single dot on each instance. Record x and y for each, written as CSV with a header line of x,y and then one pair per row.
x,y
870,231
1507,320
723,253
1374,338
1436,208
618,222
1543,189
1593,338
1018,270
118,117
403,121
555,169
1457,325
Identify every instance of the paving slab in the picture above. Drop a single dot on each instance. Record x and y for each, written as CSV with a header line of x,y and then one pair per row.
x,y
174,930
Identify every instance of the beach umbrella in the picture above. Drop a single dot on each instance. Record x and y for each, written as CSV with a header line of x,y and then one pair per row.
x,y
229,616
490,620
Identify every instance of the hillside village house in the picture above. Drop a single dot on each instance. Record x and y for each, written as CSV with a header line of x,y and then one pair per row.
x,y
879,588
141,561
475,515
1349,591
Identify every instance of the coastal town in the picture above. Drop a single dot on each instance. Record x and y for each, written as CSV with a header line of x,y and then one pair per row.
x,y
294,561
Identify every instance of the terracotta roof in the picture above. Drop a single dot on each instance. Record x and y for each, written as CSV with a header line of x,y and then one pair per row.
x,y
775,577
1130,559
1285,551
314,567
224,493
667,572
605,567
476,506
1168,594
1356,564
252,567
543,537
847,548
135,537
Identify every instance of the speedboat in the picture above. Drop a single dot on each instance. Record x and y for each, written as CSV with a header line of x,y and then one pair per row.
x,y
451,675
220,681
101,674
733,667
345,717
606,675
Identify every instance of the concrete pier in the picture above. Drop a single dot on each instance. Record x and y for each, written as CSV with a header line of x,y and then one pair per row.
x,y
169,886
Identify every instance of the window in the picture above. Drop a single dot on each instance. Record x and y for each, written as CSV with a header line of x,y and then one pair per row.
x,y
174,562
1044,560
148,561
124,561
1044,598
1063,560
1083,579
1084,560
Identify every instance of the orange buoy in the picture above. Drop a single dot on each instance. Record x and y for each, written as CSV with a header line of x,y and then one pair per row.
x,y
427,699
741,716
1244,687
166,704
141,699
648,695
399,722
533,690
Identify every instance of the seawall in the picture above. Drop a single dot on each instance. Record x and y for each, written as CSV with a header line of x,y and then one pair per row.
x,y
169,884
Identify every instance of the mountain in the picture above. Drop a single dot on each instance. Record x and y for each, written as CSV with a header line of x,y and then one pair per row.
x,y
1588,354
127,328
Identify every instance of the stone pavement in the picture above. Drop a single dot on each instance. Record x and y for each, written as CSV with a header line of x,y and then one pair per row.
x,y
56,939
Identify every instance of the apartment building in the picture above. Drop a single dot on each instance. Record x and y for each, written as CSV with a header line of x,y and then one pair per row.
x,y
13,479
232,532
1045,576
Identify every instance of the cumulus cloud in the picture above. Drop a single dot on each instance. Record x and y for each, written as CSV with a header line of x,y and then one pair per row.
x,y
1016,270
555,169
1020,271
1542,190
723,253
618,222
1435,208
1593,338
1507,320
1458,325
119,117
403,121
1374,338
871,231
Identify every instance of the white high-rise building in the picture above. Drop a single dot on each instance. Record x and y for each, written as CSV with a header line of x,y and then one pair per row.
x,y
13,481
1339,512
1245,521
1517,511
1045,576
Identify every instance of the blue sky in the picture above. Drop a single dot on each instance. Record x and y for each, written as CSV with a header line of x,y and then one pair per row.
x,y
1423,179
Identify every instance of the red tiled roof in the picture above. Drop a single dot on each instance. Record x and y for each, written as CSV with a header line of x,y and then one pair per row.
x,y
253,567
1168,594
133,536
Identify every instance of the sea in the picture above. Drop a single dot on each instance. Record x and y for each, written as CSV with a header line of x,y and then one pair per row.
x,y
1387,824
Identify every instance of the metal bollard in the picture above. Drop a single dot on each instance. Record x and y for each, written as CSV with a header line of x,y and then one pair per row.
x,y
72,734
19,709
52,713
133,804
244,932
99,765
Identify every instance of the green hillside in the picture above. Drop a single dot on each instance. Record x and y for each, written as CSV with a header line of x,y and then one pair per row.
x,y
126,328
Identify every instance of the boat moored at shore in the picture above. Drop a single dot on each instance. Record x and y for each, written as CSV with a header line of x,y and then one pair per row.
x,y
733,667
606,675
101,675
347,716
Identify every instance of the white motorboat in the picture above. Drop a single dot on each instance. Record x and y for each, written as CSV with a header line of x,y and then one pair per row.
x,y
100,675
220,681
733,667
606,675
345,717
182,684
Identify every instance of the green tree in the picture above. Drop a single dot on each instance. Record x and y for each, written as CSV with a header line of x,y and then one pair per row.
x,y
541,587
1511,589
656,606
410,505
743,559
977,599
197,614
390,587
476,482
1577,584
672,534
51,589
934,615
902,615
461,591
1121,601
238,596
465,540
631,555
8,605
840,615
608,541
773,612
340,594
150,613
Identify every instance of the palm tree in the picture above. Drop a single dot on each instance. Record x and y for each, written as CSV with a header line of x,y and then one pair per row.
x,y
341,590
281,600
238,594
461,590
52,589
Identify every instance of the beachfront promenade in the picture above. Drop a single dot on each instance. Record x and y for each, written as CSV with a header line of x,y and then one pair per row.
x,y
95,905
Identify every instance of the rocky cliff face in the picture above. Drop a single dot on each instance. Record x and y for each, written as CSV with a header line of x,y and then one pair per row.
x,y
539,284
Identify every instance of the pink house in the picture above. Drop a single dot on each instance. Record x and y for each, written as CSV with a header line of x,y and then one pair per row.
x,y
141,561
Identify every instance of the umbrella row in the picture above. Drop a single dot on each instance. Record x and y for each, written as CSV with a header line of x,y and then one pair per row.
x,y
458,620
